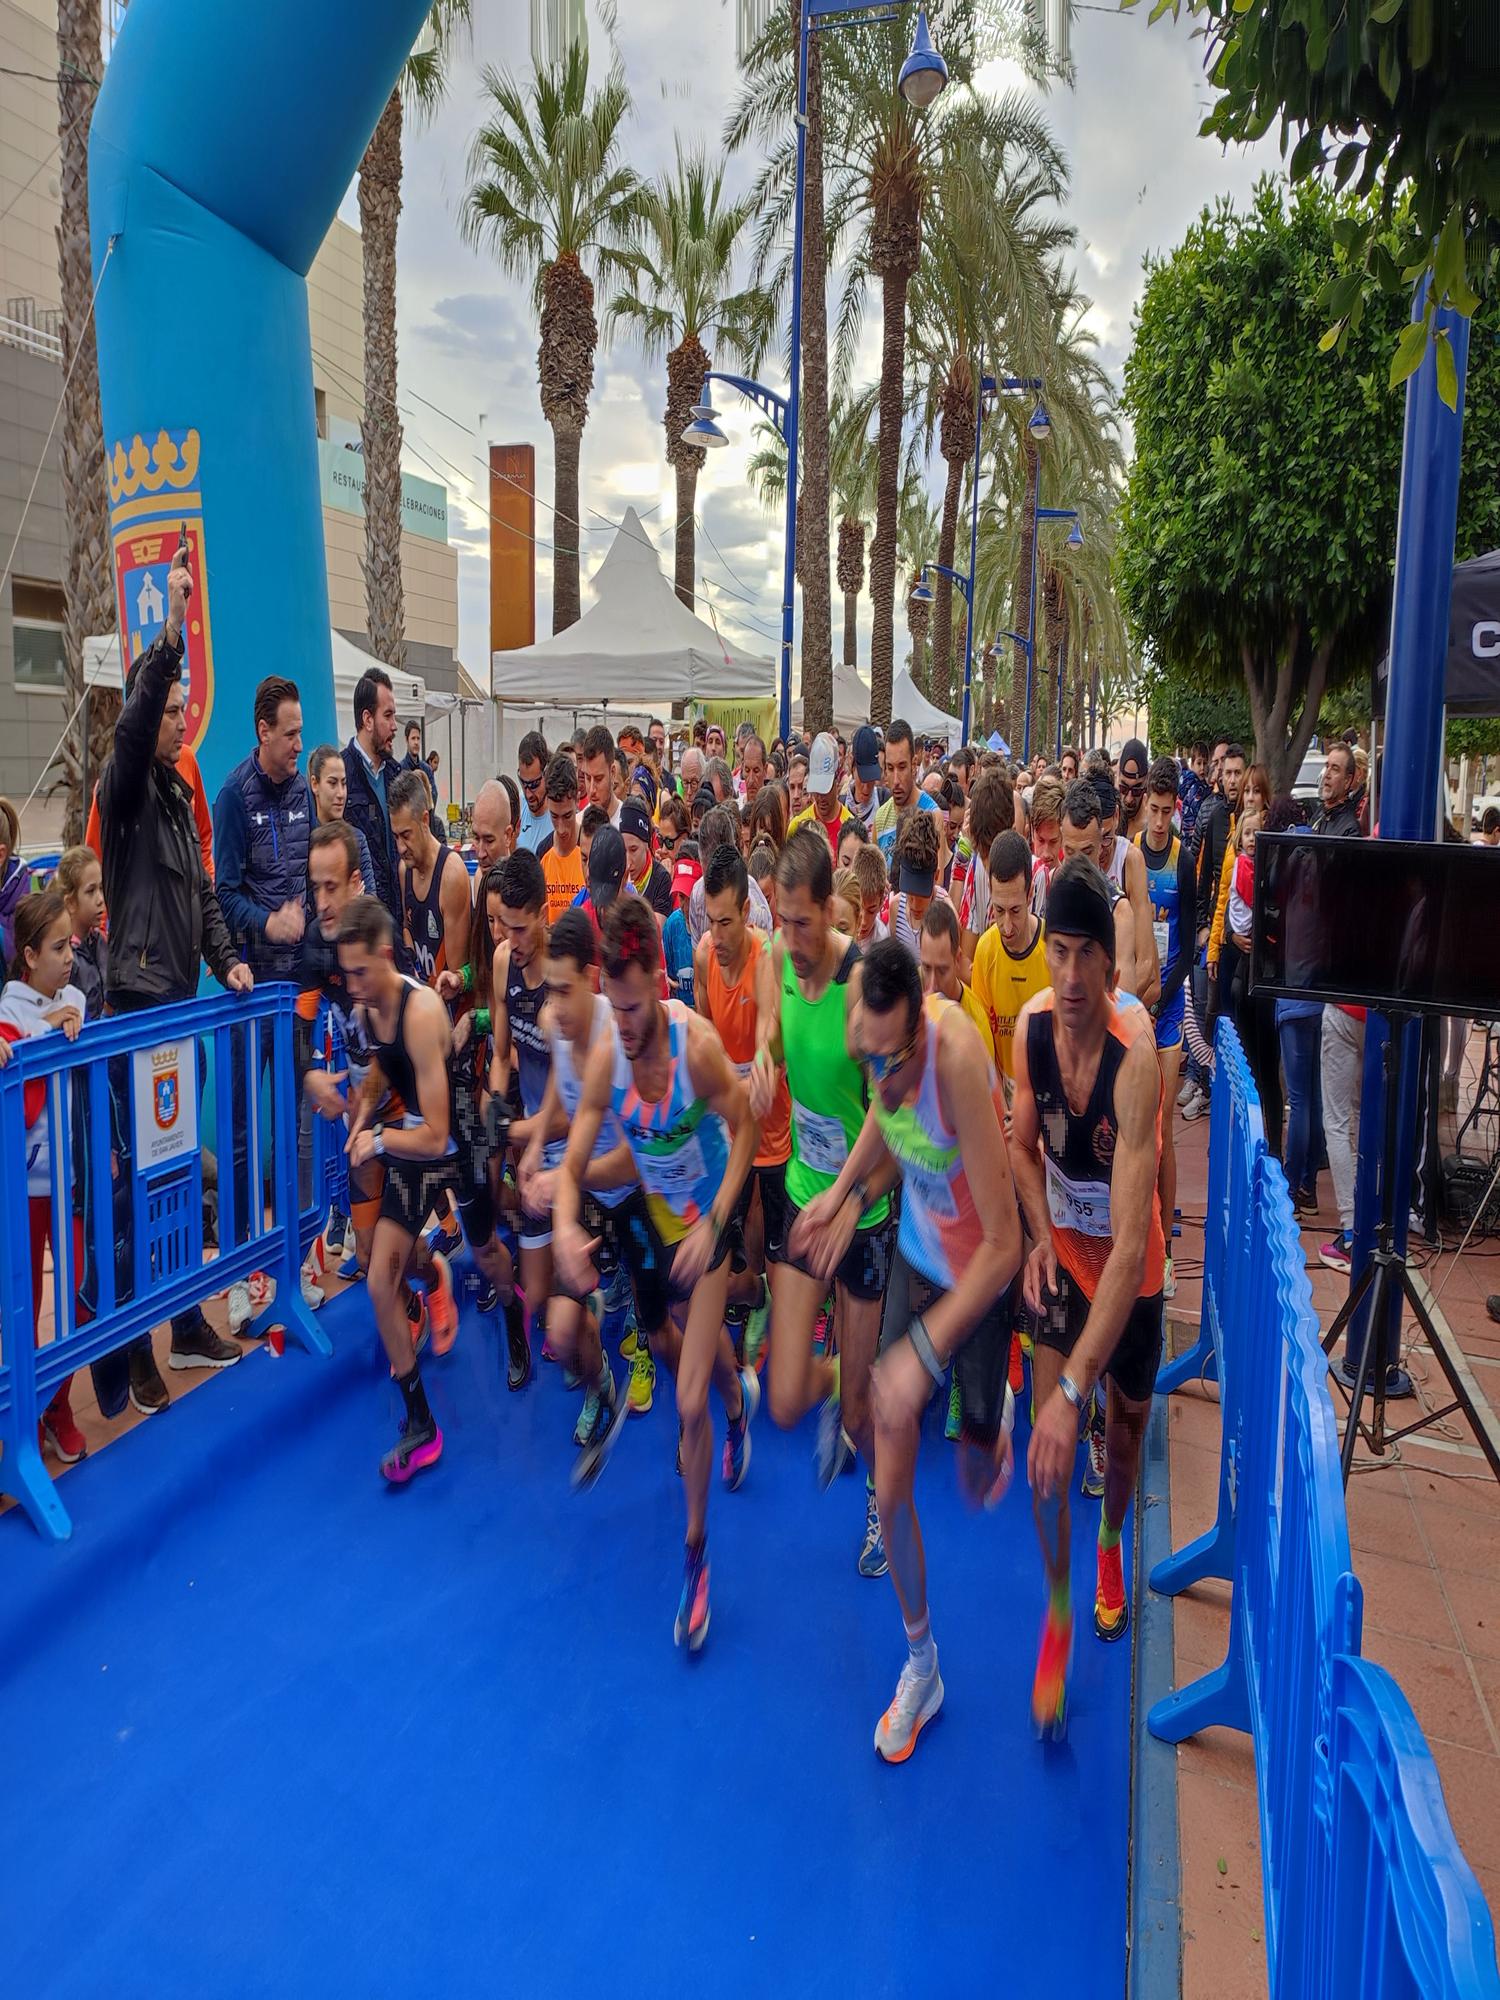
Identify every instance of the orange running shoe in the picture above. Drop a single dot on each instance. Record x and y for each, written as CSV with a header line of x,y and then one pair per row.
x,y
1017,1366
1111,1612
442,1306
1049,1689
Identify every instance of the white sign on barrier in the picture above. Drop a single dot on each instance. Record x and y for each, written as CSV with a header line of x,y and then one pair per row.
x,y
166,1104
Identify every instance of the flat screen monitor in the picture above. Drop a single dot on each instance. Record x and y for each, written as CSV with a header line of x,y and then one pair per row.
x,y
1406,926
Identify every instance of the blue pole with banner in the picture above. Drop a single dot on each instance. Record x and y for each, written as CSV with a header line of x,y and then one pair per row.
x,y
1426,529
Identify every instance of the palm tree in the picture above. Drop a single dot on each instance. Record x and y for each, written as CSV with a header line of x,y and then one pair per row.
x,y
678,299
916,533
417,94
852,467
982,285
549,193
88,587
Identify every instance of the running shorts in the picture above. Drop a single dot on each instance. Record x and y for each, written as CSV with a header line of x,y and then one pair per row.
x,y
982,1363
471,1183
867,1262
1137,1356
412,1189
649,1262
1169,1026
772,1184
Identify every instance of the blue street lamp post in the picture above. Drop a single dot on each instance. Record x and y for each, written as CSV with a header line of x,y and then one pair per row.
x,y
1027,640
923,77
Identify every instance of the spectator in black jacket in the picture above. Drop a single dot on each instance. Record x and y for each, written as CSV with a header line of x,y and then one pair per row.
x,y
1215,826
1338,812
369,769
413,759
164,917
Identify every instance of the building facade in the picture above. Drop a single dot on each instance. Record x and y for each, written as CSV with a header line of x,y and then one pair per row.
x,y
32,711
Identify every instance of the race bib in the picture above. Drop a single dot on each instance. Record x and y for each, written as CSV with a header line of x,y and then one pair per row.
x,y
932,1191
674,1174
1082,1206
1161,930
821,1143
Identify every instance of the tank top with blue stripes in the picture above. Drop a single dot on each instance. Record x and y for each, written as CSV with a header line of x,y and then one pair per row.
x,y
681,1148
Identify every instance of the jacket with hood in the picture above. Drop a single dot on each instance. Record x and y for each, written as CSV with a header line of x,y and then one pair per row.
x,y
22,1016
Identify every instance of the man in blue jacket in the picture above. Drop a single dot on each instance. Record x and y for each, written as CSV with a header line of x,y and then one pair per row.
x,y
263,821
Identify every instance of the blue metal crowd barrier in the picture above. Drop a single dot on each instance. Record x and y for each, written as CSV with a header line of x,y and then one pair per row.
x,y
1359,1862
120,1115
329,1180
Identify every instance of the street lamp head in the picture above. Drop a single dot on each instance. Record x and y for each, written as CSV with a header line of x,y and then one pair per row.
x,y
922,594
1075,535
1039,424
703,431
924,74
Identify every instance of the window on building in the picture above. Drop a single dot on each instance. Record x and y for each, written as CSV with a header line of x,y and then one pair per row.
x,y
37,632
320,409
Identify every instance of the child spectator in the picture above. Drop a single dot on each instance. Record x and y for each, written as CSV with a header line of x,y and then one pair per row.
x,y
676,939
869,865
847,902
81,879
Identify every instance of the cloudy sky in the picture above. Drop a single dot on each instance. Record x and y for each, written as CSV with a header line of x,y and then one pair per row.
x,y
1139,174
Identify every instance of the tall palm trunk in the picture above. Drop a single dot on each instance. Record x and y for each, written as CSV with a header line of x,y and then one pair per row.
x,y
918,624
88,593
812,424
379,214
565,371
1021,599
687,365
956,442
1045,718
851,583
895,277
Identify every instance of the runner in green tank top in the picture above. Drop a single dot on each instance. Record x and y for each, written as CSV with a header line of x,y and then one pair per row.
x,y
809,995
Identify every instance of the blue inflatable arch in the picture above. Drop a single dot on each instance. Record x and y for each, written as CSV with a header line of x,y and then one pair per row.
x,y
223,140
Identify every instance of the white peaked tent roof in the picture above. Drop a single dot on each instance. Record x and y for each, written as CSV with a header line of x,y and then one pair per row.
x,y
851,700
637,644
911,705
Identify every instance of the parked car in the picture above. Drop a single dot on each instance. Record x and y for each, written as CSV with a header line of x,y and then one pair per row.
x,y
1308,783
1480,807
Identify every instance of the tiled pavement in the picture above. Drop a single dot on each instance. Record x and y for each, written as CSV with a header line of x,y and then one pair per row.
x,y
1425,1535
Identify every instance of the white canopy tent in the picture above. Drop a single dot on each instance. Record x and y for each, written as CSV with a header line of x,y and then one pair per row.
x,y
851,700
637,646
101,666
911,705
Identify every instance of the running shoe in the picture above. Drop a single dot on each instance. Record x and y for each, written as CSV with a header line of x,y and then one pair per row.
x,y
1196,1106
954,1422
1304,1203
916,1701
631,1345
1168,1279
737,1438
335,1233
757,1325
487,1298
872,1560
830,1454
1017,1372
1049,1688
571,1379
1188,1090
1094,1458
442,1305
1111,1612
1338,1253
351,1267
642,1380
692,1607
518,1347
445,1242
594,1453
823,1331
418,1446
60,1431
601,1397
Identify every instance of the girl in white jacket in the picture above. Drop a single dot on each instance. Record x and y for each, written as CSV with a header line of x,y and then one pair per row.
x,y
41,1001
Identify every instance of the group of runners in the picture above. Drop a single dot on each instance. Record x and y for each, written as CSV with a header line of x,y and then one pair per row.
x,y
824,1170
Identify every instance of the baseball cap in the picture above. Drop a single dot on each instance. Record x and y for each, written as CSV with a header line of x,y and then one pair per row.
x,y
823,765
1136,753
866,755
634,820
606,867
685,872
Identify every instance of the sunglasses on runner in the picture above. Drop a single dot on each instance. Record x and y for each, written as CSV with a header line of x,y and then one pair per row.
x,y
530,785
879,1067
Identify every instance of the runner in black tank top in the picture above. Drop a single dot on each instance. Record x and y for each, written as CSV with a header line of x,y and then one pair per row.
x,y
423,917
1086,1150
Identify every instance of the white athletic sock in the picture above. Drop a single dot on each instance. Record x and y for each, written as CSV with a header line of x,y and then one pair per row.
x,y
923,1651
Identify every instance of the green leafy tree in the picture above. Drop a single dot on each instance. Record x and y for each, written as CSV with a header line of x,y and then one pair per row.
x,y
1397,97
1259,522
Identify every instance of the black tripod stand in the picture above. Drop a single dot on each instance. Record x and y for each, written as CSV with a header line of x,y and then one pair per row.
x,y
1375,1370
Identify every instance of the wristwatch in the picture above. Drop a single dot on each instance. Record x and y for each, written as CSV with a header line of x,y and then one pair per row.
x,y
377,1134
1071,1390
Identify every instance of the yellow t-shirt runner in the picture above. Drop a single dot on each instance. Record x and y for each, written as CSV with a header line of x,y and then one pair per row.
x,y
1003,982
